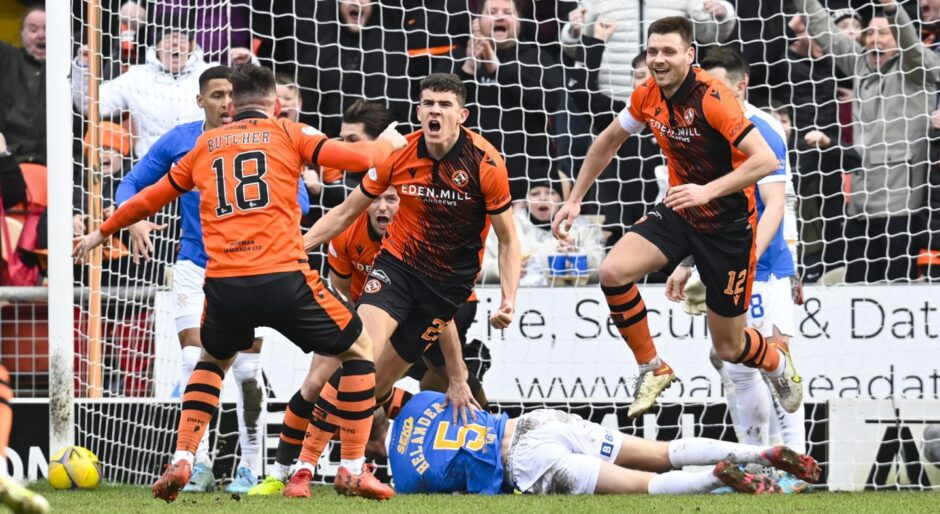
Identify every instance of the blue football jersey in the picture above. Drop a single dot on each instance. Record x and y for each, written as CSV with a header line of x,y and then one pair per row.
x,y
777,259
429,454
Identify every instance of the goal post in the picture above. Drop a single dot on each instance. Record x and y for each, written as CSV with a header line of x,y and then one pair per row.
x,y
60,298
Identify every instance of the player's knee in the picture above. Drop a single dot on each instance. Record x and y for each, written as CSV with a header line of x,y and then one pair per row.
x,y
727,349
361,348
612,274
190,337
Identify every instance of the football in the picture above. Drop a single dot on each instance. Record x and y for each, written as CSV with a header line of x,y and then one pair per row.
x,y
74,467
932,444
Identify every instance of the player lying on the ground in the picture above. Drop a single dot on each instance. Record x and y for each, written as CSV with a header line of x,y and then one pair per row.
x,y
257,274
549,451
12,495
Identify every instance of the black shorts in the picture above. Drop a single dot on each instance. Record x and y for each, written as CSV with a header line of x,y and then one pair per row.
x,y
433,356
295,303
725,260
421,307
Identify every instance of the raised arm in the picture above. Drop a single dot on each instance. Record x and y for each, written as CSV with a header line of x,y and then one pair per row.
x,y
843,49
919,63
358,156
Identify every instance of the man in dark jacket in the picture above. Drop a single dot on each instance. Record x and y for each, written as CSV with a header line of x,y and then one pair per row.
x,y
515,87
354,57
22,80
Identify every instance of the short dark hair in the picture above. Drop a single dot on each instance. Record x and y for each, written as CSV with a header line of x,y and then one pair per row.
x,y
729,59
250,82
213,73
445,83
639,59
672,25
373,116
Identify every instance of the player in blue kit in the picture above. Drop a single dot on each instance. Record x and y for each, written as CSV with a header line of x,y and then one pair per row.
x,y
552,452
215,96
750,400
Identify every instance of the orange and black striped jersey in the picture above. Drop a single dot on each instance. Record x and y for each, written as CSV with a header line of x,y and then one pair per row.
x,y
442,220
699,129
352,253
247,173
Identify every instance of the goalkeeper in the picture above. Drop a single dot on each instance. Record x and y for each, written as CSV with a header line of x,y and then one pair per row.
x,y
552,452
771,307
215,97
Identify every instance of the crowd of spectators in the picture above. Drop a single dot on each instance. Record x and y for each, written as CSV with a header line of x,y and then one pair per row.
x,y
854,81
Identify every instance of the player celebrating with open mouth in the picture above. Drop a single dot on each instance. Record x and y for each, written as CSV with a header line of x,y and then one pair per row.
x,y
714,158
452,184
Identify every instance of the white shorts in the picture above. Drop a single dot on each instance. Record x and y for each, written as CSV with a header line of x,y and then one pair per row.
x,y
553,452
771,306
189,299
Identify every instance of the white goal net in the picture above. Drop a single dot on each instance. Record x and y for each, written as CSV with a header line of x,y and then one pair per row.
x,y
544,78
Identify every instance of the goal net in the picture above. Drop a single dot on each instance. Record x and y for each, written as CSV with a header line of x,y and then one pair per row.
x,y
866,351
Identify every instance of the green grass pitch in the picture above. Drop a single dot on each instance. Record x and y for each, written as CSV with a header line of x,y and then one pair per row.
x,y
133,500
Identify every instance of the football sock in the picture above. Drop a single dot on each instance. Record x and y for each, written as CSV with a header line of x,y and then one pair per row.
x,y
199,404
628,311
354,407
684,482
790,427
6,411
250,405
189,356
752,404
279,471
322,423
296,419
730,394
700,451
393,402
759,353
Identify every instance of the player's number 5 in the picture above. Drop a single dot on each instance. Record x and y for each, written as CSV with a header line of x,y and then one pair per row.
x,y
441,442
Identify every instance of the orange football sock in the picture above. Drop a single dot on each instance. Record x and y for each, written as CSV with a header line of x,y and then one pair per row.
x,y
200,401
758,352
296,419
355,405
628,311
